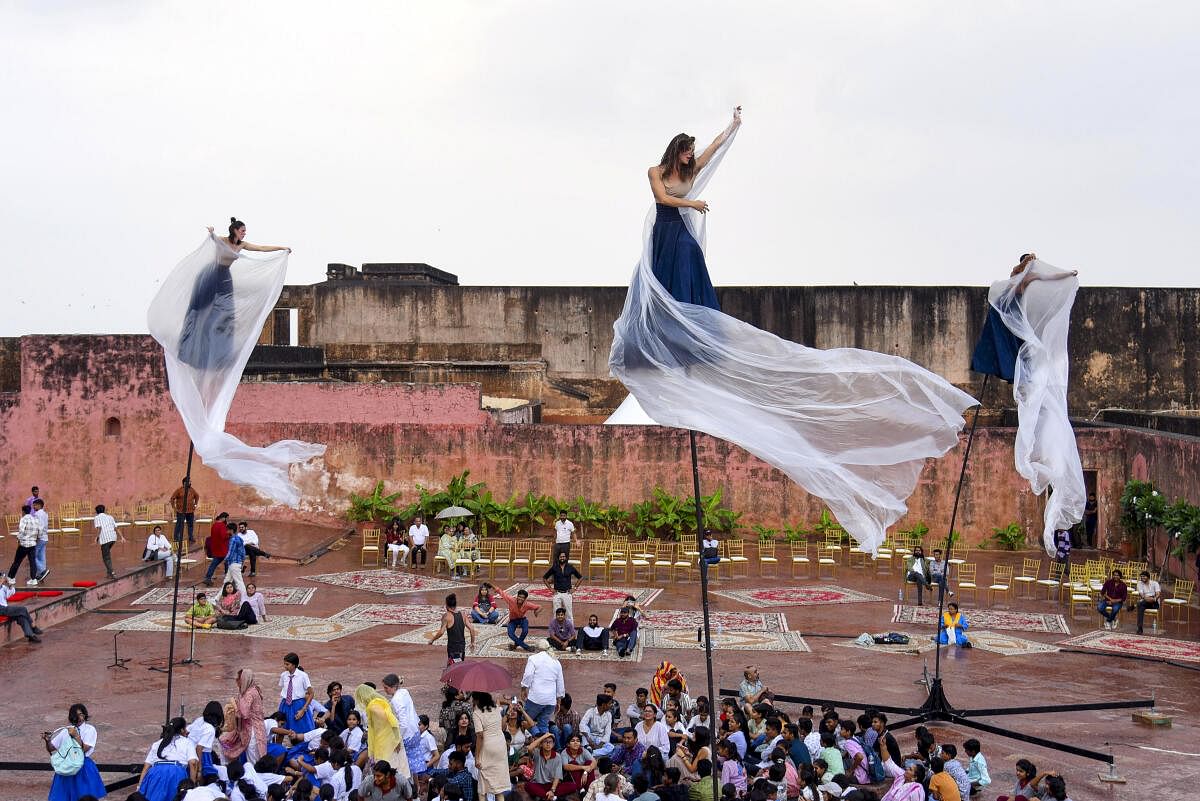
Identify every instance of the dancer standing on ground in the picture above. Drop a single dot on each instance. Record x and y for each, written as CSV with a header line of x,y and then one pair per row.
x,y
852,427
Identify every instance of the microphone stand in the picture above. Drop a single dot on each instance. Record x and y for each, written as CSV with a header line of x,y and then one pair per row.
x,y
191,657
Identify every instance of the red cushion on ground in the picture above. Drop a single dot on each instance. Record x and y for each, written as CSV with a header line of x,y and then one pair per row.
x,y
17,597
49,593
83,584
3,618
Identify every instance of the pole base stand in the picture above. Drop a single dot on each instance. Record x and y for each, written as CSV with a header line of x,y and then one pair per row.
x,y
1152,718
1111,778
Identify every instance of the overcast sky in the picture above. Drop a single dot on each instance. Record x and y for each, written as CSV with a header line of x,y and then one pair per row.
x,y
884,143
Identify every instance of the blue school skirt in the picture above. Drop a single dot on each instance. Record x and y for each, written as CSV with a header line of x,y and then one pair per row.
x,y
86,782
304,724
206,764
162,781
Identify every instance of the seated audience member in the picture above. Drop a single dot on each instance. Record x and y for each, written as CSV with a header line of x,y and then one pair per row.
x,y
257,602
1112,597
752,689
596,727
158,548
565,721
1149,597
1056,788
628,755
857,767
832,754
253,550
702,788
977,769
942,786
672,788
641,788
732,770
1027,783
606,767
562,632
202,614
949,755
593,636
624,632
484,609
916,570
954,627
793,742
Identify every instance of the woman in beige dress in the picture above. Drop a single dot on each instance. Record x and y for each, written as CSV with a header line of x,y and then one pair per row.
x,y
491,752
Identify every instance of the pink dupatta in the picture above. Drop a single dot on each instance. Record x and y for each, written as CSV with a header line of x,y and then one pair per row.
x,y
249,718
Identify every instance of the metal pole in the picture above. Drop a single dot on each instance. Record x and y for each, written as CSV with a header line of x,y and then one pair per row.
x,y
708,663
187,485
962,475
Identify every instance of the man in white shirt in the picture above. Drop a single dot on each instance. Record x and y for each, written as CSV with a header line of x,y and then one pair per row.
x,y
19,614
541,687
418,533
253,551
43,521
596,727
564,535
1150,596
27,537
106,525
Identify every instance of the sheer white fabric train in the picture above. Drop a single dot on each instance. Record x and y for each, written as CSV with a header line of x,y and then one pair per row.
x,y
1045,452
207,316
852,427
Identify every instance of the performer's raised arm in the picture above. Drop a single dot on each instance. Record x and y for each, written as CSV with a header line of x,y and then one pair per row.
x,y
703,160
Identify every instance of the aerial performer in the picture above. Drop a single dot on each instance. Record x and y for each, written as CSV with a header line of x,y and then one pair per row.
x,y
852,427
1024,342
207,316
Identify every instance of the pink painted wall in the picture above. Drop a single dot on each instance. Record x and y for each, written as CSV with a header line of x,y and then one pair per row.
x,y
52,434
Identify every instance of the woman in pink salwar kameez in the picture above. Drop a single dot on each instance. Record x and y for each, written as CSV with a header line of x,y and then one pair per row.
x,y
907,783
248,735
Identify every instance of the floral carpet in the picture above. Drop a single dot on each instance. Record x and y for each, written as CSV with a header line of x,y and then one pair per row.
x,y
986,619
719,621
273,596
276,627
1008,645
798,596
396,614
493,643
591,594
385,582
1137,645
777,641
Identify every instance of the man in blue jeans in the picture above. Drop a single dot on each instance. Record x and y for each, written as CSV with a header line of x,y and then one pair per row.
x,y
541,687
1113,596
518,609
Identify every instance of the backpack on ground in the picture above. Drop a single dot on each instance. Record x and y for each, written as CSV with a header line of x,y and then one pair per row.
x,y
67,759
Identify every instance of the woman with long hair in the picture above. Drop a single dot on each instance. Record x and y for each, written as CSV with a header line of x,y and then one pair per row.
x,y
86,781
382,786
206,338
491,751
171,760
248,735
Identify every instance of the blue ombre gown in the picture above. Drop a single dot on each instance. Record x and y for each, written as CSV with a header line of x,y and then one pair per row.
x,y
676,257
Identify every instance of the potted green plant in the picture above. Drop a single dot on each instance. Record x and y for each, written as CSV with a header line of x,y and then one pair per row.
x,y
1142,509
1010,537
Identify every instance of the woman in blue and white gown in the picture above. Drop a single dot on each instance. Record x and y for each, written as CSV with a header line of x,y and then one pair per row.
x,y
851,426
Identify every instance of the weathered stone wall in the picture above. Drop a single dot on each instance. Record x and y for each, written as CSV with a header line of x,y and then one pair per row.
x,y
1130,348
53,435
1171,461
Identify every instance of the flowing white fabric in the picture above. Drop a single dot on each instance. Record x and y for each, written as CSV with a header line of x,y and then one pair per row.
x,y
852,427
207,316
1045,452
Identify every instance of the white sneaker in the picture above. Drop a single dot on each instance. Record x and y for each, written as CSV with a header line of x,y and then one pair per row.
x,y
31,583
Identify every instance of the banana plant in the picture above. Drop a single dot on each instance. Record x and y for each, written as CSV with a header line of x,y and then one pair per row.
x,y
796,533
640,515
586,514
507,515
669,512
764,533
486,511
555,506
533,510
613,520
378,505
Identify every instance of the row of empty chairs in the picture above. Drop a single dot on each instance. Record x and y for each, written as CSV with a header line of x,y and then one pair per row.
x,y
73,519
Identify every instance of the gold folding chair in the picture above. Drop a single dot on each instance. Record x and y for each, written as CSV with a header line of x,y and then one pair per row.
x,y
966,581
483,564
958,555
685,562
1030,570
1180,601
827,558
522,557
597,558
502,557
541,557
618,557
735,549
833,544
1051,584
371,547
799,556
767,558
1002,583
664,557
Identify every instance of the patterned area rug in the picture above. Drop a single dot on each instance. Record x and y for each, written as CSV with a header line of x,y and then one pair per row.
x,y
798,596
720,621
1008,645
986,619
396,614
591,594
726,640
385,582
1137,645
277,627
917,644
493,643
274,596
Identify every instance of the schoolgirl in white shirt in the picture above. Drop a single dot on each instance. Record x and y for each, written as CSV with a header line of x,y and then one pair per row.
x,y
87,780
169,761
346,776
295,695
203,732
352,735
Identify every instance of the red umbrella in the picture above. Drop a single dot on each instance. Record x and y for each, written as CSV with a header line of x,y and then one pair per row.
x,y
477,676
